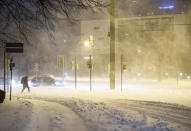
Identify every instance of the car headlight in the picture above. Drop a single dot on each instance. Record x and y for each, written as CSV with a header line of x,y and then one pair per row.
x,y
59,83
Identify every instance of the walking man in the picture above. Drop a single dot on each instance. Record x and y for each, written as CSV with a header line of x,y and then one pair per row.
x,y
24,81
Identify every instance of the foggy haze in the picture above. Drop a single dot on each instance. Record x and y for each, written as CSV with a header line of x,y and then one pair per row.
x,y
95,65
153,42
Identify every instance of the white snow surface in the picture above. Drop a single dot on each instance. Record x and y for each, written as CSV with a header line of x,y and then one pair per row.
x,y
134,109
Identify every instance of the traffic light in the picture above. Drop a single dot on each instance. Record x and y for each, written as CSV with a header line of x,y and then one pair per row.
x,y
89,64
73,65
124,67
91,40
61,61
77,66
12,64
36,67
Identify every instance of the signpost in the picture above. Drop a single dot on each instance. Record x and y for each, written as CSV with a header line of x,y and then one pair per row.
x,y
11,48
11,69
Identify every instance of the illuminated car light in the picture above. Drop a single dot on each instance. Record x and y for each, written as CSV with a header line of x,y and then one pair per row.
x,y
188,77
166,7
59,83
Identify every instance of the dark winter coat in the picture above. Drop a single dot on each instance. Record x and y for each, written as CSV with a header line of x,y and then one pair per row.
x,y
24,80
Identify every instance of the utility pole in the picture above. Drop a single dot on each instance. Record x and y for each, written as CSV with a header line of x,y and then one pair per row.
x,y
112,44
121,73
75,66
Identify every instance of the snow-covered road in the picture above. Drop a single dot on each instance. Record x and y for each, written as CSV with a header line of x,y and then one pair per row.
x,y
71,114
52,109
172,113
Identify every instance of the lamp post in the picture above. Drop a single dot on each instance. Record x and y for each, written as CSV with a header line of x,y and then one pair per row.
x,y
89,44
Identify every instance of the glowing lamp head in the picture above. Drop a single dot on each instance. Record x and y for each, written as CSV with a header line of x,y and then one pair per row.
x,y
87,43
180,74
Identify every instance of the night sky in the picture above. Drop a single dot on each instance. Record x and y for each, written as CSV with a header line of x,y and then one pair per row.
x,y
151,7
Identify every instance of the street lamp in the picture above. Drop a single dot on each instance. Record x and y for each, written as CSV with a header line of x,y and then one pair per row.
x,y
89,43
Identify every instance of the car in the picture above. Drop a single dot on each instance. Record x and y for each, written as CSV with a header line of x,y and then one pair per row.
x,y
41,81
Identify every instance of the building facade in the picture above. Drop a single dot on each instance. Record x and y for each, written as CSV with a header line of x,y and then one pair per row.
x,y
152,46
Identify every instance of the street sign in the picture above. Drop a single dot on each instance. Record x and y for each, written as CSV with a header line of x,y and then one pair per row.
x,y
14,47
14,50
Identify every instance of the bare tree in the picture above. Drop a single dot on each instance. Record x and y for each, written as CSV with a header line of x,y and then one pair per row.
x,y
19,19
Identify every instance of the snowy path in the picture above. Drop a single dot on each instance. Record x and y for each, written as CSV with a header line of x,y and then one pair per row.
x,y
49,116
15,115
35,115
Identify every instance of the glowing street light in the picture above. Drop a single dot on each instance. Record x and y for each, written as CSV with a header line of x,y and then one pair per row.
x,y
181,74
87,43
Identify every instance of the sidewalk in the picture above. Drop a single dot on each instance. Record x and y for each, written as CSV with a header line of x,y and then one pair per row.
x,y
14,115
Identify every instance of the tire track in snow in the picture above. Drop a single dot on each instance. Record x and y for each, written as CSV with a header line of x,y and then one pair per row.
x,y
168,112
100,117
